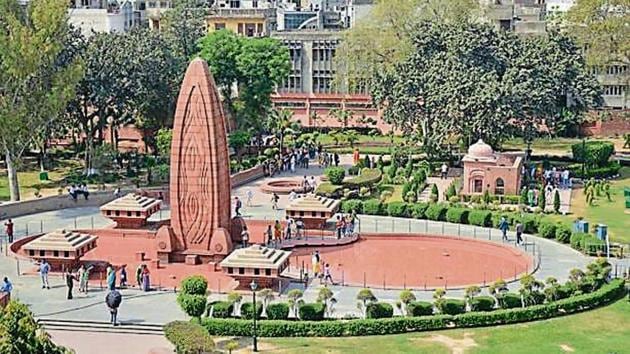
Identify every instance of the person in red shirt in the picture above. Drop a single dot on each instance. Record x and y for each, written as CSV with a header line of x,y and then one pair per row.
x,y
9,230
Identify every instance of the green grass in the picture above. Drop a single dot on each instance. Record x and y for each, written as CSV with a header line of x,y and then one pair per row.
x,y
552,146
603,330
29,181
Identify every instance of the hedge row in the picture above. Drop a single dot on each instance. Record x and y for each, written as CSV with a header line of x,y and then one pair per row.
x,y
364,327
188,337
534,224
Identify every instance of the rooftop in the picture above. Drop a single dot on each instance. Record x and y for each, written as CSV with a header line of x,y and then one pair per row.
x,y
311,202
132,202
60,240
256,256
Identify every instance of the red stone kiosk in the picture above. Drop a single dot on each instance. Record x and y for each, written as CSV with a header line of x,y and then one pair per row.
x,y
256,262
313,210
62,249
131,211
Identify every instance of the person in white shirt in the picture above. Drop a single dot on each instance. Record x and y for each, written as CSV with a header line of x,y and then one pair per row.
x,y
444,171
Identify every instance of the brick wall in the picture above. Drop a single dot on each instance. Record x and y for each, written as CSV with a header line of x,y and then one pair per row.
x,y
614,126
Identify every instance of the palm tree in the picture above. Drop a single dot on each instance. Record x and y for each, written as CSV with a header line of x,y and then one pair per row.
x,y
325,295
295,300
279,124
470,294
351,137
266,295
343,116
236,299
406,297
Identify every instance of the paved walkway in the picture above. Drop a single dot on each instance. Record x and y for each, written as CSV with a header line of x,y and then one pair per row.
x,y
108,343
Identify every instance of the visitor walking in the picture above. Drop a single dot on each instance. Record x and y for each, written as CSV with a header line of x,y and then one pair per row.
x,y
269,236
274,201
123,276
237,207
146,281
70,279
336,157
113,299
504,226
8,228
299,227
245,236
139,275
287,230
250,197
315,259
277,232
80,275
519,233
338,225
111,278
293,163
44,269
84,278
327,275
7,286
444,171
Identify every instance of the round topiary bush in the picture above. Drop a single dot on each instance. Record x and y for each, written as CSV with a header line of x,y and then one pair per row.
x,y
188,337
547,229
220,309
194,285
452,306
379,310
482,303
480,218
372,207
563,233
193,305
510,301
420,308
335,174
278,311
417,210
457,215
312,312
436,212
247,310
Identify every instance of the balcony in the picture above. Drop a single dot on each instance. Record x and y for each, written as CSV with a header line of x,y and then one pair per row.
x,y
242,13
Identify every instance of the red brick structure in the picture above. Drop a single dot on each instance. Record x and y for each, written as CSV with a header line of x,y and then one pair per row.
x,y
313,210
498,173
131,211
62,249
616,125
200,171
256,262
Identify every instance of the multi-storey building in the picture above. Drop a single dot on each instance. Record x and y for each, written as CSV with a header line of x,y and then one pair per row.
x,y
155,11
251,18
106,16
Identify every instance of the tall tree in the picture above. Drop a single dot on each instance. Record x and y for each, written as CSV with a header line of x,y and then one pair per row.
x,y
185,24
37,75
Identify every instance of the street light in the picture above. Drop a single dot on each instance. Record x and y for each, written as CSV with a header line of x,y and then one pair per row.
x,y
254,286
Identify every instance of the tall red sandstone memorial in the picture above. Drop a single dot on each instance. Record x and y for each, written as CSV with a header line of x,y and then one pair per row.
x,y
200,171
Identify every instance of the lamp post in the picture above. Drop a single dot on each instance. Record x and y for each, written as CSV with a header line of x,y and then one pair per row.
x,y
254,286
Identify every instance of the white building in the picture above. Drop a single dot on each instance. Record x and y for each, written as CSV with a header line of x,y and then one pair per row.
x,y
105,16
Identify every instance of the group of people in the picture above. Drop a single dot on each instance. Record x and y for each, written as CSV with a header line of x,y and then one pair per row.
x,y
74,191
344,225
326,159
321,272
557,177
504,226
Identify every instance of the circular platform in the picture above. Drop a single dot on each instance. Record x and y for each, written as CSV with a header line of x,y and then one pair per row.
x,y
282,186
407,261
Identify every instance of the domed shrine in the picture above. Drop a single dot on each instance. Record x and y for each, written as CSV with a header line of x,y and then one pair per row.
x,y
485,169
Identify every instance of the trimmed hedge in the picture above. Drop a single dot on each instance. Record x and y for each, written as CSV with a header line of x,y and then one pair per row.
x,y
457,215
335,175
368,178
188,337
363,327
397,209
547,229
436,212
372,207
312,312
480,218
247,310
220,309
452,306
194,285
279,311
420,308
482,303
593,153
563,233
510,301
379,310
348,206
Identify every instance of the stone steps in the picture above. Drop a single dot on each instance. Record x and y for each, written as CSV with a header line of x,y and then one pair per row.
x,y
100,327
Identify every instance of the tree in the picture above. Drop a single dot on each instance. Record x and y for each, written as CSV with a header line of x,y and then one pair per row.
x,y
279,124
20,332
185,24
326,296
556,201
351,137
37,75
237,140
342,116
266,296
295,300
531,290
365,297
406,297
551,289
163,140
542,199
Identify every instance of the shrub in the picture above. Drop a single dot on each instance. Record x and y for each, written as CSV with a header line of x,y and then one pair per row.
x,y
312,312
591,244
367,178
563,233
547,229
452,306
530,222
576,240
556,202
335,174
352,205
247,310
220,309
482,303
379,310
329,190
450,191
279,311
510,300
480,218
194,285
398,209
417,210
593,153
188,337
457,215
354,170
372,207
420,308
436,212
193,305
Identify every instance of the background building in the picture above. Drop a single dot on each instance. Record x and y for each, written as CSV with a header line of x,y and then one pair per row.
x,y
106,16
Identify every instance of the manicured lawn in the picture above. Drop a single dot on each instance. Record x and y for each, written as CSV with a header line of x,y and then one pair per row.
x,y
552,146
29,180
605,212
603,330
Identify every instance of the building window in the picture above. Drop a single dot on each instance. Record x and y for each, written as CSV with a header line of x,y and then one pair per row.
x,y
256,271
66,254
230,270
240,28
613,90
31,253
219,26
259,28
268,272
42,253
117,212
55,253
241,271
109,212
255,4
128,213
499,187
137,213
235,4
477,185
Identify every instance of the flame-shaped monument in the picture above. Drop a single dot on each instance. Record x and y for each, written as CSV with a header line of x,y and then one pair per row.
x,y
200,171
